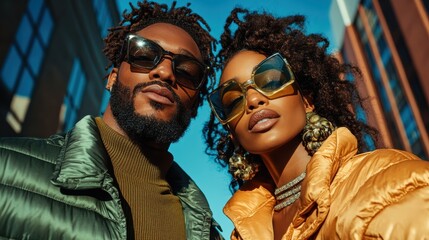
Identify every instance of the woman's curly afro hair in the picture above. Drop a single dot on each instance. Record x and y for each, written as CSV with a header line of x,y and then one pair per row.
x,y
321,77
147,13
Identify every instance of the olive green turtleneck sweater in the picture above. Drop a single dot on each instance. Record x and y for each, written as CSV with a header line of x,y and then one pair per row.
x,y
140,173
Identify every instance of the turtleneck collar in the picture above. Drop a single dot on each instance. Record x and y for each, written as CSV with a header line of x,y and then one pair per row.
x,y
131,157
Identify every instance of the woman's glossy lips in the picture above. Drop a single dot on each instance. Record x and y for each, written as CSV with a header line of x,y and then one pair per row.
x,y
262,120
159,94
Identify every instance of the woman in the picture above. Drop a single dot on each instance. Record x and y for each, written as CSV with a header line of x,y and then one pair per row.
x,y
283,121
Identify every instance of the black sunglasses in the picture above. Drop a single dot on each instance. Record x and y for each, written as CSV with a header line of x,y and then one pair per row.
x,y
271,77
144,55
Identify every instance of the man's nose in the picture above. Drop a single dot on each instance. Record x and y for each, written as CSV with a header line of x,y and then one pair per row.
x,y
164,71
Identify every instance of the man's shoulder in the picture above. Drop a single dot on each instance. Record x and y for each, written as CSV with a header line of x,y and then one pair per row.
x,y
43,149
26,166
29,157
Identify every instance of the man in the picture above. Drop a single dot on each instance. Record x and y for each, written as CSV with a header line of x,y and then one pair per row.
x,y
113,177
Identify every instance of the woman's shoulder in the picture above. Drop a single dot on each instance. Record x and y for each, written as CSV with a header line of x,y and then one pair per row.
x,y
389,162
383,170
384,190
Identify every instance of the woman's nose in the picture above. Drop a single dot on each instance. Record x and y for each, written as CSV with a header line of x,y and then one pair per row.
x,y
254,99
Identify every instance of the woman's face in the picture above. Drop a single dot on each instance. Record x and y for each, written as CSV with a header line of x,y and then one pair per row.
x,y
265,125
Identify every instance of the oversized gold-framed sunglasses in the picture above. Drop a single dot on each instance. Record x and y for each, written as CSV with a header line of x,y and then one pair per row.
x,y
270,77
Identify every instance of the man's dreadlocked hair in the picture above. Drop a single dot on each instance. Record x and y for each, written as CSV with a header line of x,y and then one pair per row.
x,y
319,75
148,13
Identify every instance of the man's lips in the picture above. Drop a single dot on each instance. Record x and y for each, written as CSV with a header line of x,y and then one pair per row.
x,y
262,120
159,94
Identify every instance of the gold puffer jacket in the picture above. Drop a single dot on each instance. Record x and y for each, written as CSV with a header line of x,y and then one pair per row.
x,y
383,194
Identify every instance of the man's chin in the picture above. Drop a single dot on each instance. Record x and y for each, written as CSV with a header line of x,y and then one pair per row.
x,y
144,120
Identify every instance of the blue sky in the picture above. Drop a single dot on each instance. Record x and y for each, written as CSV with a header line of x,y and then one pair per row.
x,y
189,151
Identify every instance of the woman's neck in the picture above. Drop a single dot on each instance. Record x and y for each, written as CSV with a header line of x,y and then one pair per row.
x,y
286,162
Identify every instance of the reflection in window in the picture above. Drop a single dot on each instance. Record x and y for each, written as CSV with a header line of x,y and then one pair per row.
x,y
23,61
407,118
73,98
104,19
359,111
11,69
104,101
382,93
46,26
23,36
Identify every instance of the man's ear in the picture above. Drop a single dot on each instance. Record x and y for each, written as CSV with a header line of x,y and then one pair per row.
x,y
111,79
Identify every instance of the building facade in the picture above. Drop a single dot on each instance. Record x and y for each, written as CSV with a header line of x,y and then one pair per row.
x,y
389,41
51,61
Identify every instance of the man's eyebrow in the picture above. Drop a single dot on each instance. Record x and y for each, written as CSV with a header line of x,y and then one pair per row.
x,y
181,51
186,52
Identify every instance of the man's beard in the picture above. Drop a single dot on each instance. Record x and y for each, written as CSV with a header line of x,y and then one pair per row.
x,y
140,128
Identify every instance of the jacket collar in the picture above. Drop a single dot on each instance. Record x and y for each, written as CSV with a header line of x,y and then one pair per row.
x,y
83,160
247,206
195,206
315,198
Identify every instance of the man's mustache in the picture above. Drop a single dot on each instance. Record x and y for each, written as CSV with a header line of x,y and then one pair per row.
x,y
140,86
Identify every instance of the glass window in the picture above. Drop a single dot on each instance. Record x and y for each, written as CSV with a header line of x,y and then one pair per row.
x,y
383,48
46,26
367,3
105,26
375,72
96,4
103,16
24,33
407,119
35,57
26,85
35,7
24,60
104,101
10,70
70,119
74,95
102,12
73,77
79,90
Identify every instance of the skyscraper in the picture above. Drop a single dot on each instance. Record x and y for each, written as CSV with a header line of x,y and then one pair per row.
x,y
389,41
51,61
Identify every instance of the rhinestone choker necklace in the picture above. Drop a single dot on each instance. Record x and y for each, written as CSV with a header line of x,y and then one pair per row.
x,y
288,193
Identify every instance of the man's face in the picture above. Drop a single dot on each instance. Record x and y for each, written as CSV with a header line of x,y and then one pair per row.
x,y
152,106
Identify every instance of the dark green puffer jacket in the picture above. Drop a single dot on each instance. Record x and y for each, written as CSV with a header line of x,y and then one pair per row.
x,y
60,188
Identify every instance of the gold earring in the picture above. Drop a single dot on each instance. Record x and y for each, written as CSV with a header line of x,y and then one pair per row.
x,y
240,167
316,131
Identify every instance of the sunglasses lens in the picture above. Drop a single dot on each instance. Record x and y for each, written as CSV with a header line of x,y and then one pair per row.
x,y
143,54
189,72
272,75
271,78
227,101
